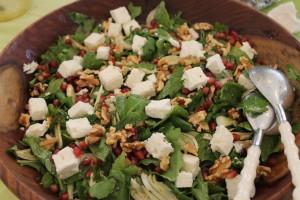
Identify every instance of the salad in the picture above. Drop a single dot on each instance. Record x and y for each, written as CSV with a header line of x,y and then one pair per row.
x,y
122,110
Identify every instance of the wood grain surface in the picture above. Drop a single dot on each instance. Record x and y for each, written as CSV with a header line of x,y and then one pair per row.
x,y
274,45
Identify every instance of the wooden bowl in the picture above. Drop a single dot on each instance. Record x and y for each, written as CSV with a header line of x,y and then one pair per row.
x,y
274,45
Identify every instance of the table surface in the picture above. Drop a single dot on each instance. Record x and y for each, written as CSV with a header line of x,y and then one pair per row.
x,y
8,30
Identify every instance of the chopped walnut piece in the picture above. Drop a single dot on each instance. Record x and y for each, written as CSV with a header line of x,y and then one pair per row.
x,y
134,59
113,137
197,119
48,143
181,101
263,171
183,32
203,26
161,78
38,88
24,120
164,163
190,148
189,60
130,146
212,44
87,80
95,135
245,64
233,113
105,116
219,170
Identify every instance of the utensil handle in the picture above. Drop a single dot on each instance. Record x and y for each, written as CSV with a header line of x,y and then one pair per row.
x,y
248,173
292,154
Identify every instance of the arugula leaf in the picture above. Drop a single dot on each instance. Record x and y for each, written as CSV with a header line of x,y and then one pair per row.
x,y
144,133
292,73
102,189
162,16
231,93
236,53
149,161
146,65
197,100
180,194
218,27
90,61
270,145
82,189
255,104
135,11
204,152
245,125
54,86
182,124
100,150
43,155
173,85
200,190
35,164
216,109
176,161
78,18
163,47
131,109
149,49
47,180
295,127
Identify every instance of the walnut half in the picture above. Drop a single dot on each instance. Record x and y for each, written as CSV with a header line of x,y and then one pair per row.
x,y
219,170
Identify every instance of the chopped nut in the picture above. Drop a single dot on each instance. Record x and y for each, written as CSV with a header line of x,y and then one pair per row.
x,y
130,146
164,163
161,78
219,170
92,139
134,59
203,26
38,88
105,116
211,93
190,148
263,171
113,137
189,60
233,113
105,24
244,65
182,101
183,32
24,120
97,130
212,44
48,143
197,119
87,80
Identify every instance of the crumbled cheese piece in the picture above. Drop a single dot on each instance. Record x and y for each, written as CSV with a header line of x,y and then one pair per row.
x,y
69,68
215,64
131,25
158,108
80,109
78,128
78,59
120,15
137,44
135,76
114,30
174,42
194,34
111,78
238,146
247,83
103,53
222,140
37,108
37,129
145,89
191,48
191,164
194,78
158,146
184,180
232,187
247,49
152,78
30,67
94,40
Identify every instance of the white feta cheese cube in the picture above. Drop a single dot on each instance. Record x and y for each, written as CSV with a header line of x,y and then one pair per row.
x,y
158,146
120,15
246,82
66,163
222,140
184,180
78,128
174,42
194,78
69,68
103,53
94,40
137,44
238,146
158,108
232,187
80,109
111,78
191,164
78,59
194,34
135,76
130,26
37,129
37,108
145,89
247,49
191,48
114,30
215,64
152,78
30,67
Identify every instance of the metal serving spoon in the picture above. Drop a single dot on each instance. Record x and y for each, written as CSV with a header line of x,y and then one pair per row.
x,y
261,125
274,85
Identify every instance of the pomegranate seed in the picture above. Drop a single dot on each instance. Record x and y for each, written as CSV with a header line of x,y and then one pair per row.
x,y
72,145
207,104
89,173
244,38
200,108
86,100
205,90
231,40
218,85
134,138
64,86
158,170
58,75
83,145
113,60
70,79
220,35
231,174
234,34
134,161
87,161
56,102
53,188
64,196
236,137
68,41
117,151
153,24
212,126
139,155
77,151
77,88
53,64
43,68
82,53
211,81
209,74
46,75
185,91
125,90
229,65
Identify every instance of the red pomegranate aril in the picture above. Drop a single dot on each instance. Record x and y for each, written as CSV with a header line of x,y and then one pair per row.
x,y
58,75
77,88
86,100
207,104
64,86
46,75
231,174
56,102
125,90
185,91
234,34
200,108
220,35
82,53
77,151
231,40
53,64
236,137
209,73
68,41
43,68
83,145
117,151
70,79
229,65
205,90
54,188
139,155
218,85
134,161
86,161
211,81
89,173
212,126
153,24
64,196
158,170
